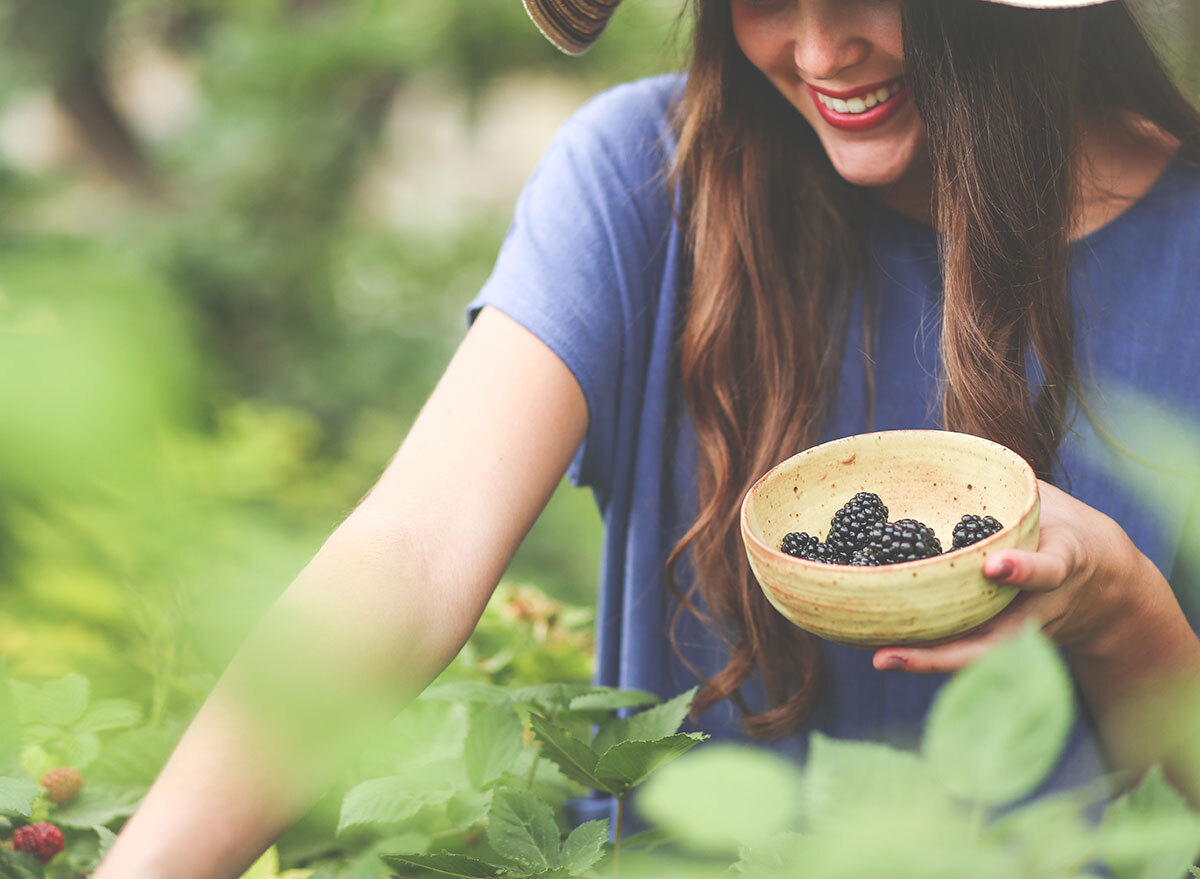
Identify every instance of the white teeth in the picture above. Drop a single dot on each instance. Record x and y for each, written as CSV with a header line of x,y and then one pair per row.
x,y
862,103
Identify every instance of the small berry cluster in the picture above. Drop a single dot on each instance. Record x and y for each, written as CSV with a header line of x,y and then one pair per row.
x,y
42,840
861,535
62,784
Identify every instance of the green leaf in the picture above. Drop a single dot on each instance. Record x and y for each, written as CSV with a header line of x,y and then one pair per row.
x,y
387,800
576,760
444,864
585,846
133,757
647,726
17,796
997,728
493,743
724,796
60,702
10,728
106,839
98,804
847,781
521,828
550,698
79,750
109,714
612,699
19,865
466,692
1150,833
626,764
1052,834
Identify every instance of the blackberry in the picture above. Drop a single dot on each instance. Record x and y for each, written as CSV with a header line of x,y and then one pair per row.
x,y
803,545
797,542
973,529
904,540
863,558
62,784
850,526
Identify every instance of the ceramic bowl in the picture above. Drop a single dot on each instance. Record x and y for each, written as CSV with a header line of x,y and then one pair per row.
x,y
934,476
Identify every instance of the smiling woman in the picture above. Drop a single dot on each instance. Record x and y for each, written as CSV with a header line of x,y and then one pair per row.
x,y
710,272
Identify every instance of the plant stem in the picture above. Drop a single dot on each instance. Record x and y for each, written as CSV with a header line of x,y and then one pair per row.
x,y
617,847
537,754
977,820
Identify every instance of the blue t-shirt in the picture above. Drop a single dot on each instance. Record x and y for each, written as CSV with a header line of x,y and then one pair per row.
x,y
592,265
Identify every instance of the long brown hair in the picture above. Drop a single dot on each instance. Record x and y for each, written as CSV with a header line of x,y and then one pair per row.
x,y
775,248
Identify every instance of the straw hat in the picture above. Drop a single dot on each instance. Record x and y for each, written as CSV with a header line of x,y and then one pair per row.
x,y
573,25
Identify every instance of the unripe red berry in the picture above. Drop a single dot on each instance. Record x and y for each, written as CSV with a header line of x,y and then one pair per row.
x,y
42,840
62,784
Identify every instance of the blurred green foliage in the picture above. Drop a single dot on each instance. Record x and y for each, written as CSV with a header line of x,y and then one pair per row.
x,y
212,337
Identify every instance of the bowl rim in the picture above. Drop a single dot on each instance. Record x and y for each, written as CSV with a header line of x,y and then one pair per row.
x,y
1031,502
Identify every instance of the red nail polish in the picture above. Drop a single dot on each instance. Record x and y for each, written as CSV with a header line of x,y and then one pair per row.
x,y
1004,571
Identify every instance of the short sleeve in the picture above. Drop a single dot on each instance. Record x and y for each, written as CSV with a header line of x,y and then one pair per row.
x,y
583,258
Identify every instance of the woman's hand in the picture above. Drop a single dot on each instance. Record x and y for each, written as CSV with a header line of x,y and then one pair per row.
x,y
1086,585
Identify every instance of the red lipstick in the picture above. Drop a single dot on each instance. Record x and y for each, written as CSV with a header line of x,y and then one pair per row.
x,y
837,106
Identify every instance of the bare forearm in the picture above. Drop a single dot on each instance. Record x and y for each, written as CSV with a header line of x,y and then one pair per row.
x,y
360,631
1141,681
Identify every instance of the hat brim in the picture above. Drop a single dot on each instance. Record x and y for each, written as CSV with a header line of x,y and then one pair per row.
x,y
574,25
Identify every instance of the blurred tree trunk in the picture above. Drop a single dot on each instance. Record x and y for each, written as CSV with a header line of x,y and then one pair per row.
x,y
64,43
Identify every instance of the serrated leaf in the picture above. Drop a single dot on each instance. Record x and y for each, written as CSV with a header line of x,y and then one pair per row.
x,y
997,728
133,757
493,743
109,714
1150,833
19,865
626,764
444,864
521,829
387,800
584,846
576,760
17,796
106,839
723,797
646,726
466,692
98,804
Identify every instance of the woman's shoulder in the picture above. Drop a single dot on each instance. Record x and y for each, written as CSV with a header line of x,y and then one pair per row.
x,y
627,123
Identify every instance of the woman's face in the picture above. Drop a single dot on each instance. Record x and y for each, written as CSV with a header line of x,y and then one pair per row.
x,y
841,64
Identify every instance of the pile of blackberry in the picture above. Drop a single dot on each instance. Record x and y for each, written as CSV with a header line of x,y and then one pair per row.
x,y
861,535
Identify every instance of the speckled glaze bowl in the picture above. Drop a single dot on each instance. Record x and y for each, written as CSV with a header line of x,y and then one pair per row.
x,y
934,476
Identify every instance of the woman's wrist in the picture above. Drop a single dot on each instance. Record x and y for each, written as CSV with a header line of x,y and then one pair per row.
x,y
1142,632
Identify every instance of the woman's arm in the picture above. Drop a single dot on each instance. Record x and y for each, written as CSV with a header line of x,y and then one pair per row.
x,y
383,607
1121,628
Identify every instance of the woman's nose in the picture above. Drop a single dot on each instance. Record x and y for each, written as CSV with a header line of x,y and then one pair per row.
x,y
828,39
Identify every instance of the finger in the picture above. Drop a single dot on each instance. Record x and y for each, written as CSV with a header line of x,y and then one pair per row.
x,y
954,655
1040,571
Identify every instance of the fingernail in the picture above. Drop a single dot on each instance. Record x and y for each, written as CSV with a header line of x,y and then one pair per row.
x,y
892,663
1003,571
